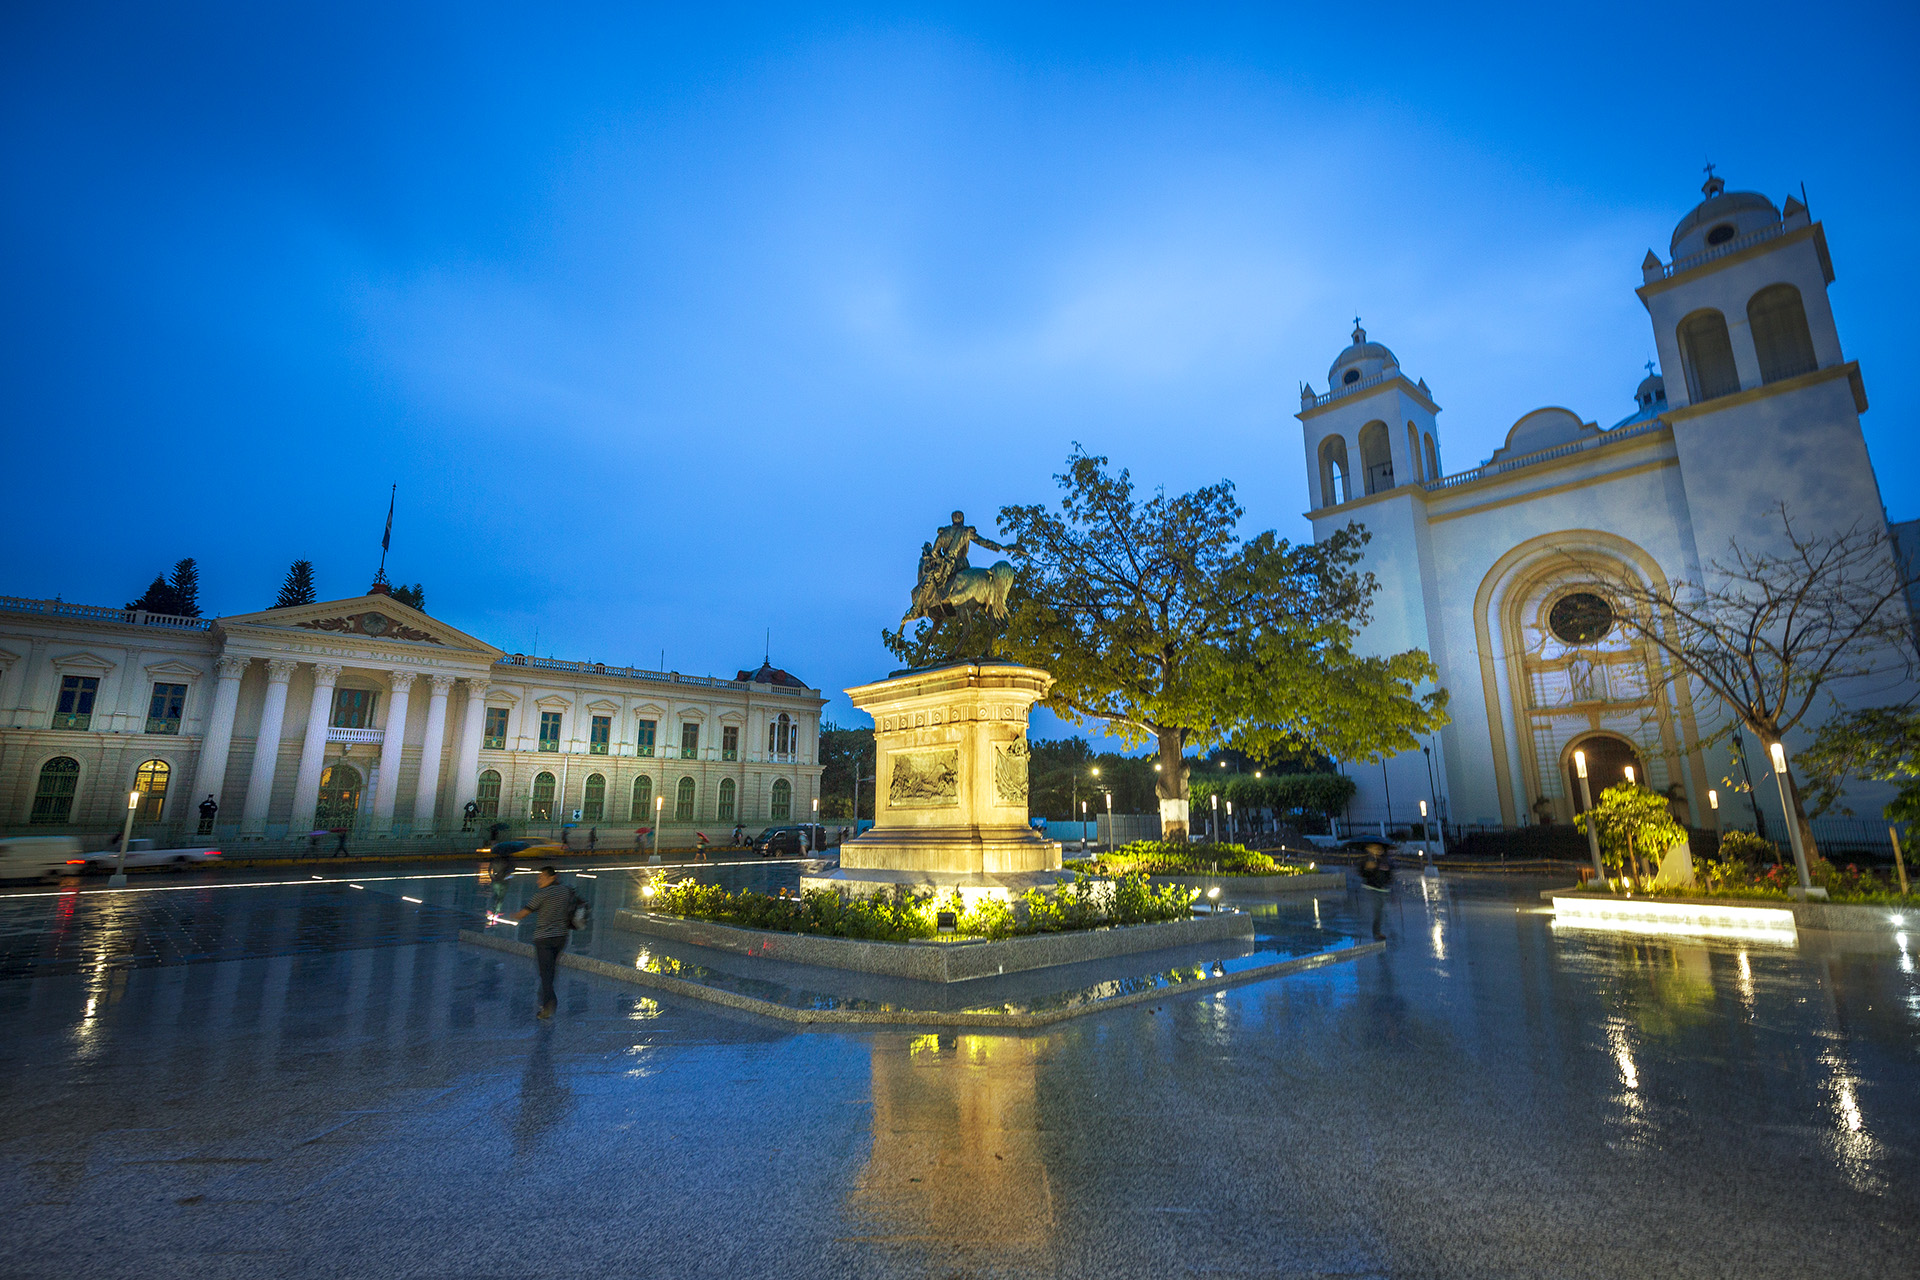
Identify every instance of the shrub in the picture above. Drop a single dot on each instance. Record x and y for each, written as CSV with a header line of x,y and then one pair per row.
x,y
1744,846
1635,817
1161,858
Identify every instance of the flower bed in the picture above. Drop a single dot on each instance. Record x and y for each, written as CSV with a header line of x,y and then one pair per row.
x,y
1163,858
901,917
1749,867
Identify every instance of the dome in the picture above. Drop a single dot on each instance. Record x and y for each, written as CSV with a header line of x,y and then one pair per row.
x,y
1363,359
770,674
1721,217
1649,400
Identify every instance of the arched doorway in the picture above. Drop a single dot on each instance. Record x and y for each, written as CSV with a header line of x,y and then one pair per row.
x,y
339,797
1608,759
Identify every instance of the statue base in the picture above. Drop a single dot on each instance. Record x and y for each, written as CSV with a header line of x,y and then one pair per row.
x,y
951,784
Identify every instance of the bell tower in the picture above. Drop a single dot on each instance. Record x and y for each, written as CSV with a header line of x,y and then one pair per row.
x,y
1372,431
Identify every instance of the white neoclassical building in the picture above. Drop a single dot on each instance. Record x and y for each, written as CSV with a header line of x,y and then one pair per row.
x,y
1494,569
370,715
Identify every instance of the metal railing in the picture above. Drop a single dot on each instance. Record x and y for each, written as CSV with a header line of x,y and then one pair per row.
x,y
1349,388
639,673
356,735
1734,245
1600,441
98,613
1379,477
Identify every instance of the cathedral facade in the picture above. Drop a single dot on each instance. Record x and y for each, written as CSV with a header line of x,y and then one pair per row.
x,y
1499,570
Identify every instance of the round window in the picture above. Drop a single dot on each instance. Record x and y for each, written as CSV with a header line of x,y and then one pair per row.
x,y
1353,375
1580,618
1720,234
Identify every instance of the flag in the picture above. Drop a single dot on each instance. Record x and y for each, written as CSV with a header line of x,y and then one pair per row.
x,y
386,538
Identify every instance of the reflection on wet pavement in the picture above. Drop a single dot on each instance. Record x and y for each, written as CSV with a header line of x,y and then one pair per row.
x,y
1490,1097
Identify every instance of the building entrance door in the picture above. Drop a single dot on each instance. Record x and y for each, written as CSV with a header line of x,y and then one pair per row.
x,y
1607,761
339,797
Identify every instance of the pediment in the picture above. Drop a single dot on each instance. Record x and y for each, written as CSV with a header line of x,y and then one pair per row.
x,y
733,717
553,702
7,657
178,670
603,706
650,711
82,662
499,696
369,617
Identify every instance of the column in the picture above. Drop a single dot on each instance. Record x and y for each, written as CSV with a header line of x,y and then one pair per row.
x,y
400,682
266,751
466,782
426,795
211,775
313,750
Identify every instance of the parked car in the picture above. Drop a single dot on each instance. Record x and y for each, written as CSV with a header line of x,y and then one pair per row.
x,y
785,842
140,853
36,857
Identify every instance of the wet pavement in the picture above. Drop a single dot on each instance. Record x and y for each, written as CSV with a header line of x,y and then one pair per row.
x,y
314,1080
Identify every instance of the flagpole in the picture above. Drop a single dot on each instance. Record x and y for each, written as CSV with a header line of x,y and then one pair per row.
x,y
386,538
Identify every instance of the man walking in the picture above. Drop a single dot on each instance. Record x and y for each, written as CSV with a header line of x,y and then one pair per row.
x,y
551,905
1376,881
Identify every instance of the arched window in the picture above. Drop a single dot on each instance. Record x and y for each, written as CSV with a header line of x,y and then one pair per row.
x,y
150,780
53,798
725,812
1778,321
683,801
642,799
782,800
593,806
1376,457
487,795
339,797
1334,488
782,734
540,806
1413,452
1433,459
1708,356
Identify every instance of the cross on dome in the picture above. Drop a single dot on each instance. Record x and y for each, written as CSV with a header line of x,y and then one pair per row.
x,y
1713,186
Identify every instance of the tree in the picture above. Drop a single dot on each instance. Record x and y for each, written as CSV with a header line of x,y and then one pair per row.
x,y
414,596
178,595
1632,820
841,752
298,588
1878,744
1767,632
1155,618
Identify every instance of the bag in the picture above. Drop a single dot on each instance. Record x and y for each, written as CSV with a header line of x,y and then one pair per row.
x,y
582,914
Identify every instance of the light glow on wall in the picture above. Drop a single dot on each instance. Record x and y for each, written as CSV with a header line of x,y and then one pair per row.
x,y
1649,915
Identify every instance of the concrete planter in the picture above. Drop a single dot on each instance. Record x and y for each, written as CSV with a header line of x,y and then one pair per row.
x,y
936,961
1831,917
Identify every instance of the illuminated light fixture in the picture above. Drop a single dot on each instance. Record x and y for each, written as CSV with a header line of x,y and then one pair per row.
x,y
1580,763
1630,778
1642,915
1779,753
405,898
1713,798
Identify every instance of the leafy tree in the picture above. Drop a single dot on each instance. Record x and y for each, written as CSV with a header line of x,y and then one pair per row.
x,y
298,588
1879,744
1051,773
414,596
1766,632
1154,617
1317,794
178,595
841,752
1630,812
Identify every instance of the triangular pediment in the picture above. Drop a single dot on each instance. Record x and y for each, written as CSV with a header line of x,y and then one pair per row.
x,y
369,617
179,670
82,661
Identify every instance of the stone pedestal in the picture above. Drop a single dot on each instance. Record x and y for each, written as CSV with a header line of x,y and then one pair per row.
x,y
950,784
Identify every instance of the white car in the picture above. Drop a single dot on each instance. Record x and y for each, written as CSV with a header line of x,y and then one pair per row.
x,y
36,857
140,853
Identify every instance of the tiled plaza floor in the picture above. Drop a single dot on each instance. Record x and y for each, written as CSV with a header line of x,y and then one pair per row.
x,y
296,1082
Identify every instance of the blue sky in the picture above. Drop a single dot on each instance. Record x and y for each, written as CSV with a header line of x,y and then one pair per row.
x,y
677,325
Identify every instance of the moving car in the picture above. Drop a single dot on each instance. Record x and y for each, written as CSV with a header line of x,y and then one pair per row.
x,y
530,849
140,853
36,857
785,842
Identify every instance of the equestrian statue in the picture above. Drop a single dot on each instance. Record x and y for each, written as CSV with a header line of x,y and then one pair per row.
x,y
948,586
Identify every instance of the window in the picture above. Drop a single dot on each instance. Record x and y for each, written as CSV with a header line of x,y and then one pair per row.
x,y
540,807
1708,356
53,798
725,812
643,739
1581,618
593,807
163,713
150,781
1413,452
549,730
782,800
1433,459
1333,471
1778,321
782,734
1376,457
689,742
339,798
487,795
496,734
683,802
75,709
1350,377
1721,234
643,799
353,708
730,742
599,734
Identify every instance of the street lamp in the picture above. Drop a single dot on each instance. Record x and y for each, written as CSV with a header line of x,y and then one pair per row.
x,y
1229,819
1213,824
1713,801
1593,826
1631,781
119,877
1083,826
1434,795
1109,824
1778,751
659,810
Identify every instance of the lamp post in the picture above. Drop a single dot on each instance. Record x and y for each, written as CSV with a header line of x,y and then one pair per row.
x,y
659,811
1230,827
1631,780
807,835
1778,751
118,879
1427,830
1083,826
1109,824
1434,795
1593,825
1213,823
1713,801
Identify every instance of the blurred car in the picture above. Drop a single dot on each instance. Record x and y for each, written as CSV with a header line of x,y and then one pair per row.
x,y
785,842
36,857
140,853
529,849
